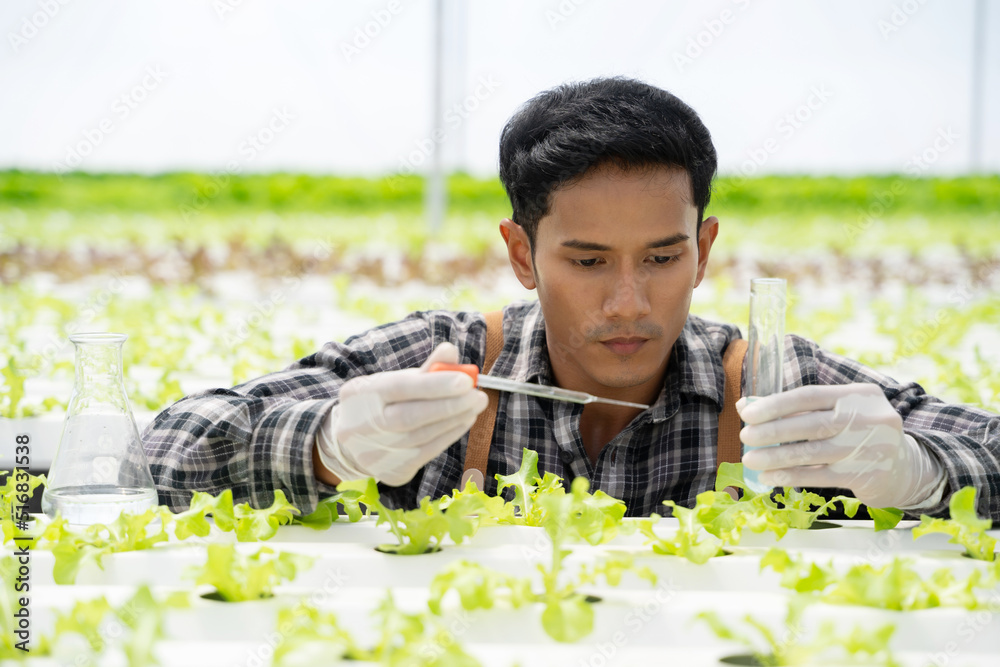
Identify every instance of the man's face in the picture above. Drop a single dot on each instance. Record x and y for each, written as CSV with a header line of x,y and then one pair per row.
x,y
615,263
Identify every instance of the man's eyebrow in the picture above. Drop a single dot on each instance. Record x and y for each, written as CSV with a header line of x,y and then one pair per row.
x,y
600,247
669,241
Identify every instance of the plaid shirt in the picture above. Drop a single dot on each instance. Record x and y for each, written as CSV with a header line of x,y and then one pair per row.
x,y
258,436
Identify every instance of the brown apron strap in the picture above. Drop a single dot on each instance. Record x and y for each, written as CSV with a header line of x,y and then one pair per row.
x,y
477,454
730,449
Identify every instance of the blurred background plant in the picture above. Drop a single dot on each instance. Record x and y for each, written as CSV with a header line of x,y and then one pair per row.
x,y
256,282
289,175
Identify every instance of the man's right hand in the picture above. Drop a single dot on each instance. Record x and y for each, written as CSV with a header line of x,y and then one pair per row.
x,y
389,425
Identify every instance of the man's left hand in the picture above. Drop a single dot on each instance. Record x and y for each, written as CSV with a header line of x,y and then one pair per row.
x,y
847,436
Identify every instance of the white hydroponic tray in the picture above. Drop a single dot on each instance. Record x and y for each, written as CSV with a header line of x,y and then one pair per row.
x,y
636,623
44,432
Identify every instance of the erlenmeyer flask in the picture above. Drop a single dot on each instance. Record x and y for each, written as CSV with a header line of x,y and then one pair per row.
x,y
100,468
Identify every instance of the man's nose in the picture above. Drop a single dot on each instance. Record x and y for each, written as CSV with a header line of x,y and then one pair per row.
x,y
628,298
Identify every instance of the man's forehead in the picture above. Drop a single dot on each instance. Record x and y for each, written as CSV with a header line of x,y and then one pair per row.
x,y
654,202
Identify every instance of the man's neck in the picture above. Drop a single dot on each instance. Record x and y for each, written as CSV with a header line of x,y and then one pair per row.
x,y
600,423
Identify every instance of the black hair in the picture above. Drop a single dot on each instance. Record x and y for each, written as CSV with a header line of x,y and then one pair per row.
x,y
562,133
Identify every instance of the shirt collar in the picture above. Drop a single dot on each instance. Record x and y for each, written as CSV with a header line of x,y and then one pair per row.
x,y
525,357
698,353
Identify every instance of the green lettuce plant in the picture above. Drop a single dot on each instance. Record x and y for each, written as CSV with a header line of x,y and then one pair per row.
x,y
567,616
479,587
142,614
73,546
542,501
965,527
310,637
538,501
726,518
860,646
15,488
895,585
718,520
239,578
417,531
328,510
690,540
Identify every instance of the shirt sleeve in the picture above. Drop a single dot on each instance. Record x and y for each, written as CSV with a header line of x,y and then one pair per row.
x,y
964,439
259,436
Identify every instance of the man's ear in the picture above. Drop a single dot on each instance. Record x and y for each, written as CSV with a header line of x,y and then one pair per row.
x,y
519,252
709,230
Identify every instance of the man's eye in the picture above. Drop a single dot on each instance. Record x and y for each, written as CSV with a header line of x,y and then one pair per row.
x,y
587,262
664,259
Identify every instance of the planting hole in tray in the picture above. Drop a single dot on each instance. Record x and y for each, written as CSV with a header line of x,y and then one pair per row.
x,y
393,550
216,596
744,659
823,525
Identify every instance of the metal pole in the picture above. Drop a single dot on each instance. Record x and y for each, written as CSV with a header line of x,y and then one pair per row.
x,y
435,194
458,72
976,102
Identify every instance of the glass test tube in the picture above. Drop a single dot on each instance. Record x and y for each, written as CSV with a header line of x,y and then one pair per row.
x,y
766,348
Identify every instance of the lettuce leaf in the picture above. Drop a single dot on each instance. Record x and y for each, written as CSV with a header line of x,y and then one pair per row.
x,y
885,518
568,619
253,524
523,483
689,541
895,585
965,527
238,577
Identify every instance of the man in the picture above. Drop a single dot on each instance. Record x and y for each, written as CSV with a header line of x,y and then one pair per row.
x,y
608,181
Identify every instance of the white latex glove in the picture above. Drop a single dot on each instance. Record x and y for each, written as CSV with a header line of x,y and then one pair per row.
x,y
389,425
853,437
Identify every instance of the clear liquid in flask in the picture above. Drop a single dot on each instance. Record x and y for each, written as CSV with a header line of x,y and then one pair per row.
x,y
87,505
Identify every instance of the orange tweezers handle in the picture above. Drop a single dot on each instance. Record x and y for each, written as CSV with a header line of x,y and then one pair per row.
x,y
469,369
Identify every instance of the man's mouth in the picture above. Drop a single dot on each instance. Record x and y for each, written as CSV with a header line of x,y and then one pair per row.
x,y
624,345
